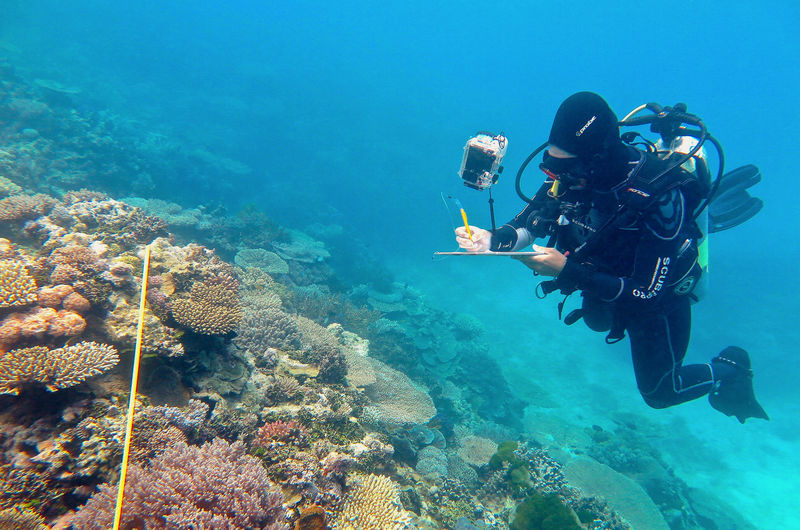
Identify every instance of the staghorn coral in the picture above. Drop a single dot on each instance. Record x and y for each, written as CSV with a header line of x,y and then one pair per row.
x,y
213,307
21,519
20,207
56,369
16,285
213,486
372,502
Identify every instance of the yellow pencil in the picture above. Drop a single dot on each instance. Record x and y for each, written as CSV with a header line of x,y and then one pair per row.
x,y
466,224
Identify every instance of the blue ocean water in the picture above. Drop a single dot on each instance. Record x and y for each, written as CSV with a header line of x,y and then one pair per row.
x,y
355,113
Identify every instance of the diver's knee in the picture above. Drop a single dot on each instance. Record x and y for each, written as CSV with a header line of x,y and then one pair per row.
x,y
656,402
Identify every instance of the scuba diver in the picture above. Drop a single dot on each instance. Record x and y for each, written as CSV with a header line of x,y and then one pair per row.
x,y
623,230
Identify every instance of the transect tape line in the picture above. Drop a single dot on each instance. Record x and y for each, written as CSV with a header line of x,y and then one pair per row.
x,y
134,383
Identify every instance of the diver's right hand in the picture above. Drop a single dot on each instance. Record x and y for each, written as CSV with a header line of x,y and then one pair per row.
x,y
480,242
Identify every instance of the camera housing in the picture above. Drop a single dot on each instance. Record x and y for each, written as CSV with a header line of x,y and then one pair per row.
x,y
483,153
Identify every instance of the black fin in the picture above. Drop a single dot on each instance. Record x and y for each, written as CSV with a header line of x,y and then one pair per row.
x,y
734,395
732,204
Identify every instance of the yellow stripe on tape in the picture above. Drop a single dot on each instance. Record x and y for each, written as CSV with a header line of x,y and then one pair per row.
x,y
134,382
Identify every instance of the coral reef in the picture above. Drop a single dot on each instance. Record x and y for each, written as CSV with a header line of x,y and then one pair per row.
x,y
55,369
395,400
16,285
20,519
216,485
260,258
212,308
372,502
40,323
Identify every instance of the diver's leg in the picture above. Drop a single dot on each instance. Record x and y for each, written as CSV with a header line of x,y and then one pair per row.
x,y
658,345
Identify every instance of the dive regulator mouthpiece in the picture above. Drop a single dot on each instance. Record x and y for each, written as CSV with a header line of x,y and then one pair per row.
x,y
483,153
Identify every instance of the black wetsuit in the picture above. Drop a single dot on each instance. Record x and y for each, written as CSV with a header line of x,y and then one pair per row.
x,y
636,276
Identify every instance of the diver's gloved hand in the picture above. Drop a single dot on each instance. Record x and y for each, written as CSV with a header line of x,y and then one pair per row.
x,y
481,239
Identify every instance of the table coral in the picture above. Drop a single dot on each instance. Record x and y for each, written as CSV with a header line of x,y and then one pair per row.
x,y
396,401
261,259
16,285
56,369
301,247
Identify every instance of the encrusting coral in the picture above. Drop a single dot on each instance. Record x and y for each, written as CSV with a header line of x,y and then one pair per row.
x,y
213,486
56,369
40,323
16,285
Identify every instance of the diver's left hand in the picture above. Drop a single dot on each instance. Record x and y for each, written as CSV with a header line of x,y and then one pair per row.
x,y
549,263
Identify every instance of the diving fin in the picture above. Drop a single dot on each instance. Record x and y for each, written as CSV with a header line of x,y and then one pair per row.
x,y
732,204
733,392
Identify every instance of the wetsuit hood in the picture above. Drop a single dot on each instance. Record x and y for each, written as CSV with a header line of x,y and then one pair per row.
x,y
585,126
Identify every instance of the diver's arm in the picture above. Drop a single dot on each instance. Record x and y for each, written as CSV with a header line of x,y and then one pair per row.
x,y
515,235
654,262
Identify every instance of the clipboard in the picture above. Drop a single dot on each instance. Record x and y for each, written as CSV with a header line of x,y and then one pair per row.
x,y
500,253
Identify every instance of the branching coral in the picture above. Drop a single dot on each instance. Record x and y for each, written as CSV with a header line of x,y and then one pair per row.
x,y
21,519
213,307
320,346
18,207
56,369
213,486
264,328
73,263
16,285
372,502
280,431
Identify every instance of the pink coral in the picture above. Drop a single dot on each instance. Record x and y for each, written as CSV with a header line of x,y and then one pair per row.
x,y
77,303
47,297
39,323
280,431
214,486
67,324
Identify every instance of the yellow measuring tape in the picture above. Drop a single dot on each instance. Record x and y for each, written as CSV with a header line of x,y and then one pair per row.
x,y
134,382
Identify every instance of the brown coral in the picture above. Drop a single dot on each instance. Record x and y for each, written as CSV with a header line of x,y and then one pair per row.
x,y
56,369
21,519
16,285
212,309
39,323
372,502
18,207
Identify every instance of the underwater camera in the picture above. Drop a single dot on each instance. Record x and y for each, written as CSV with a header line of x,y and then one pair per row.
x,y
483,153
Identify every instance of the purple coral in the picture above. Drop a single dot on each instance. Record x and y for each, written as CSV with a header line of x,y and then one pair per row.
x,y
213,486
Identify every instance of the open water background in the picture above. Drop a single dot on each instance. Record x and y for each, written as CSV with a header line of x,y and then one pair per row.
x,y
355,113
